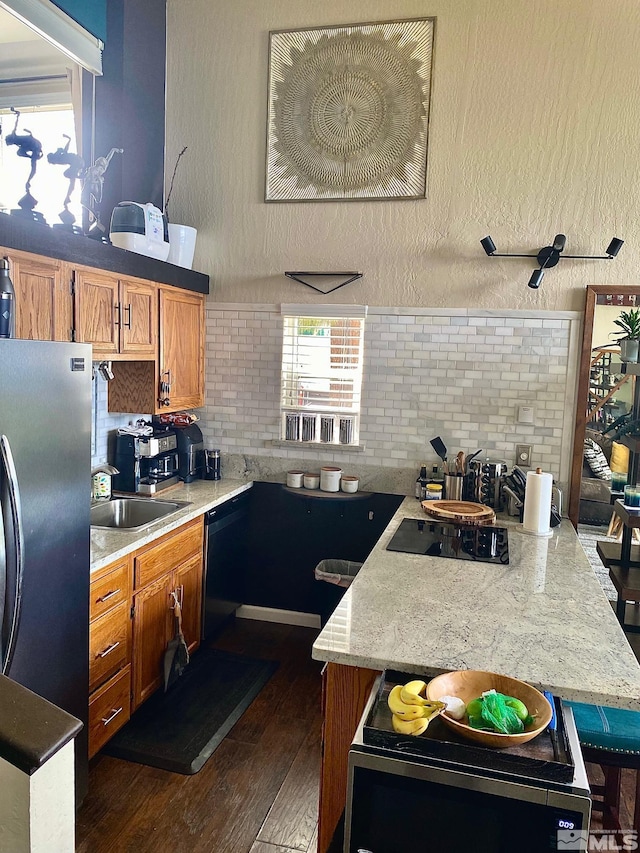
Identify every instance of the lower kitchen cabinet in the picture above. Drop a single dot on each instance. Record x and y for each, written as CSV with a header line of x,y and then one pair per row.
x,y
132,621
109,709
151,633
291,531
109,652
170,567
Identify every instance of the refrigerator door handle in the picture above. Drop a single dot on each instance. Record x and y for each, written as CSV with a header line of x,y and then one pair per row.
x,y
11,578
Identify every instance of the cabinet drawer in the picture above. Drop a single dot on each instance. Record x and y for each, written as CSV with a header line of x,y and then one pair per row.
x,y
164,557
109,710
109,590
109,644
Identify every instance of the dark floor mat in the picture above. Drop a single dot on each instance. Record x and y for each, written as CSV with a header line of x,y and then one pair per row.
x,y
179,730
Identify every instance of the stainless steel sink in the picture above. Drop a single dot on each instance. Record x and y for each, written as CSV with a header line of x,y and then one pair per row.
x,y
131,513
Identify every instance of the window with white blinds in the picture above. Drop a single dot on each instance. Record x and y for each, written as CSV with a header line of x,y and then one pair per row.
x,y
322,360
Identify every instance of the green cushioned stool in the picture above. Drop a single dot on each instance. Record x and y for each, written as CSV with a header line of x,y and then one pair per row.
x,y
610,737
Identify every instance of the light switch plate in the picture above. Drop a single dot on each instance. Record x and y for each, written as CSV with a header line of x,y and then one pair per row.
x,y
523,455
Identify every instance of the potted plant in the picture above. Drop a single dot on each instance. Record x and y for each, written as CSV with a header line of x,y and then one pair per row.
x,y
629,338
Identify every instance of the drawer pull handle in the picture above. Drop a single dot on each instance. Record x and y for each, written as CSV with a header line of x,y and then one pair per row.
x,y
114,714
107,596
108,650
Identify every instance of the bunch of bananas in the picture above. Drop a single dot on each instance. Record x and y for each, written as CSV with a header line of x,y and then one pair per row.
x,y
411,712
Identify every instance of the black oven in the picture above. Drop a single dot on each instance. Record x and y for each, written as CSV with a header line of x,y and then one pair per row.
x,y
397,803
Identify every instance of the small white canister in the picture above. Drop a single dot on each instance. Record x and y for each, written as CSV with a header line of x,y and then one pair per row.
x,y
330,479
294,479
311,481
349,484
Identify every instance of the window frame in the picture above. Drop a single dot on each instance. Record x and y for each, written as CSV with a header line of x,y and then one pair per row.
x,y
316,421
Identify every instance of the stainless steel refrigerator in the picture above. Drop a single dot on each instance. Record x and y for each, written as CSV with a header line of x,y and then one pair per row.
x,y
45,488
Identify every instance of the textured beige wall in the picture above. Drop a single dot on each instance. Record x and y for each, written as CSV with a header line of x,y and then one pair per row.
x,y
535,129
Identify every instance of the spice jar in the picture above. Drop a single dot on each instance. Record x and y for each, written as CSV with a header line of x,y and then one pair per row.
x,y
433,492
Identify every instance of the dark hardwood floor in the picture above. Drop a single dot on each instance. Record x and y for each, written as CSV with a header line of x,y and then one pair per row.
x,y
258,793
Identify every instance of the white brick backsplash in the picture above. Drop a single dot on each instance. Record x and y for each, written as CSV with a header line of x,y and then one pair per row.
x,y
461,376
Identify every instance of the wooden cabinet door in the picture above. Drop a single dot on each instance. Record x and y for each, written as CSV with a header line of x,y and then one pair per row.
x,y
182,335
44,305
188,579
139,321
152,630
97,306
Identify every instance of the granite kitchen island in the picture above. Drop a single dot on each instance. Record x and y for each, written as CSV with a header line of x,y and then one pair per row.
x,y
542,618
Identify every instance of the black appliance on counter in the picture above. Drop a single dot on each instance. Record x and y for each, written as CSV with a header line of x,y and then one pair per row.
x,y
190,452
437,539
146,464
45,481
458,796
226,555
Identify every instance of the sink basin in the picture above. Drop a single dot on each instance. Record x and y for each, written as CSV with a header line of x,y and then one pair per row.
x,y
131,513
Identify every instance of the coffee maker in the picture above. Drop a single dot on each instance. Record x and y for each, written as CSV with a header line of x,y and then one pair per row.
x,y
190,452
146,464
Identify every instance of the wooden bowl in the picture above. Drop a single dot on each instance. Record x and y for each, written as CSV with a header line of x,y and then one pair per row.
x,y
470,684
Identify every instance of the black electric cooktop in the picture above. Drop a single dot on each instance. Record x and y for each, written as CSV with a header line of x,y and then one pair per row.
x,y
436,539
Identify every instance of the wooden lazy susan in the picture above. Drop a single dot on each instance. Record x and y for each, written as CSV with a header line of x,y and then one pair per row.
x,y
461,512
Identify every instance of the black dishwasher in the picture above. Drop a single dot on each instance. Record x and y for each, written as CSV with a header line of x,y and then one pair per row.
x,y
225,562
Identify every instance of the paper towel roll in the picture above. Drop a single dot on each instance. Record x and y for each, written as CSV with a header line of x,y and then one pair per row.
x,y
537,502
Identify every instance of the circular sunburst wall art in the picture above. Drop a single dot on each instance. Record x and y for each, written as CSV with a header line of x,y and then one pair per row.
x,y
349,112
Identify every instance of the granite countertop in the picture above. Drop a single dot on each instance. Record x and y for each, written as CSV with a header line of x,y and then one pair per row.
x,y
543,618
108,545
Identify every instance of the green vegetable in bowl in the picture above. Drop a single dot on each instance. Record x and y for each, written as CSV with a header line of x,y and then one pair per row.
x,y
496,712
519,707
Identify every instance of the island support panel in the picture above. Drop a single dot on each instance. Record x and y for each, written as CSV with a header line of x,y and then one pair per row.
x,y
345,690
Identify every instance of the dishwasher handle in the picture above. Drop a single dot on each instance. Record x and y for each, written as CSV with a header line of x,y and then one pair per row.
x,y
237,505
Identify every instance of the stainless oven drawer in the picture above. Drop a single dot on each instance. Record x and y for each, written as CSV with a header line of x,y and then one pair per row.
x,y
392,800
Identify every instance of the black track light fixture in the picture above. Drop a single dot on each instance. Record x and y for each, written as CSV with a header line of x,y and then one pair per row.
x,y
549,256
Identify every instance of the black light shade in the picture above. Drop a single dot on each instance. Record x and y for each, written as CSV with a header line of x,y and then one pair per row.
x,y
536,279
488,245
614,247
559,242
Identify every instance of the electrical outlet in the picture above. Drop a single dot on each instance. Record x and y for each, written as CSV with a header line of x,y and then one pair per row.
x,y
523,455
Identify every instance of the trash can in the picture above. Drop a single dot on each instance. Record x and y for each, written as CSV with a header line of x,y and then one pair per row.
x,y
336,576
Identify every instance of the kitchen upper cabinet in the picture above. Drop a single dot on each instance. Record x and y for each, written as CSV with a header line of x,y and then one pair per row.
x,y
118,316
182,332
44,304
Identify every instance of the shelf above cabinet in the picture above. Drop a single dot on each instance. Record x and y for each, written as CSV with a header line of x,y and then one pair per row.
x,y
42,240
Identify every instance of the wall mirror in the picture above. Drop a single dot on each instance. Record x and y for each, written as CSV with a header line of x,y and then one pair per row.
x,y
47,67
605,393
